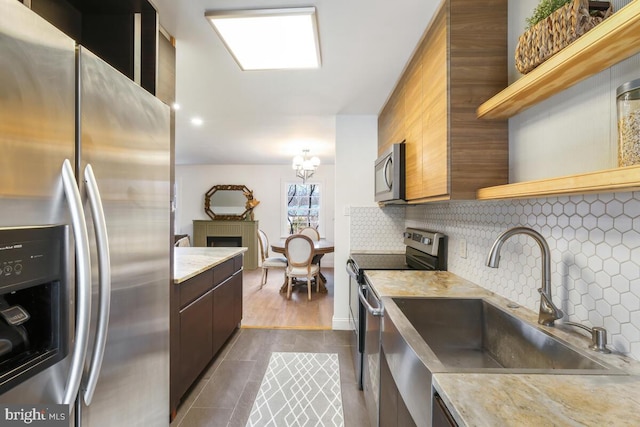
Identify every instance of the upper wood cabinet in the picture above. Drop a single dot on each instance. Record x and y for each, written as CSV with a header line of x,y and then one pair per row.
x,y
412,90
390,122
460,62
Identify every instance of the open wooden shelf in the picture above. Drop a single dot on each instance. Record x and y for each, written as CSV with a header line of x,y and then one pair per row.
x,y
618,179
611,41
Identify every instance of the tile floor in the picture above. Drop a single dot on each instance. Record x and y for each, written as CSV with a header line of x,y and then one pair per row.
x,y
225,393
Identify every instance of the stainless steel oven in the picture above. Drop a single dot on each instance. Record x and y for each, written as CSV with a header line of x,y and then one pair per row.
x,y
425,250
371,356
356,317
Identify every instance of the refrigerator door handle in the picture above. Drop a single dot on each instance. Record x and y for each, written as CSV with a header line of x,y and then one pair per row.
x,y
104,267
83,280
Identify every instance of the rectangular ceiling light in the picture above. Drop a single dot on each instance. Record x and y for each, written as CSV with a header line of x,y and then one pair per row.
x,y
269,39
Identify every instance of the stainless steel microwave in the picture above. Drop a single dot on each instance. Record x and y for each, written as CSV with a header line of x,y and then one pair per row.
x,y
389,175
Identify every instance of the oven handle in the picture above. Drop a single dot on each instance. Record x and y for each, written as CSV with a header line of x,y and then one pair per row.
x,y
374,311
351,269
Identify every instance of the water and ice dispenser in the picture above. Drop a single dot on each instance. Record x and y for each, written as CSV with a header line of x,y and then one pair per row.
x,y
34,301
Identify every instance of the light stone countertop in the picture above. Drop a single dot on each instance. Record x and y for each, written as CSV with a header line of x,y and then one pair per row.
x,y
379,251
488,399
191,261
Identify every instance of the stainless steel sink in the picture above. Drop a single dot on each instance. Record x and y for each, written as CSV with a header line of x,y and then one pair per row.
x,y
426,336
474,335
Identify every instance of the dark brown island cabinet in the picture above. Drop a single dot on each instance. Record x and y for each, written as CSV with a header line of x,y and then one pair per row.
x,y
205,309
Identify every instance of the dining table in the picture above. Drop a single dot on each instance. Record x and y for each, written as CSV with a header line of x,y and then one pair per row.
x,y
320,248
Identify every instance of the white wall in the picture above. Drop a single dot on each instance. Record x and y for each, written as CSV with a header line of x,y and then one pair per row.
x,y
268,184
356,152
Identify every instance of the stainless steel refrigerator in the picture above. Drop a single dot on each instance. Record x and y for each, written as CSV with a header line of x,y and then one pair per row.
x,y
85,149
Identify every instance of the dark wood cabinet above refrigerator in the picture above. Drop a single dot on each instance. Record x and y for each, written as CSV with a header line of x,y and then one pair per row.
x,y
123,33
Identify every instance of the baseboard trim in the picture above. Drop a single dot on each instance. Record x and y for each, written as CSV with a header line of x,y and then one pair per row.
x,y
341,324
308,328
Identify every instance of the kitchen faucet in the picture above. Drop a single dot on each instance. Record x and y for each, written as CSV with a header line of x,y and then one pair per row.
x,y
548,311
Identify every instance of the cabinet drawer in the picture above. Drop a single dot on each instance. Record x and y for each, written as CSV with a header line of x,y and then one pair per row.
x,y
222,272
193,288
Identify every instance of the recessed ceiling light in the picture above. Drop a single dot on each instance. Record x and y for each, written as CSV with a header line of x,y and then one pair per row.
x,y
175,106
197,121
269,39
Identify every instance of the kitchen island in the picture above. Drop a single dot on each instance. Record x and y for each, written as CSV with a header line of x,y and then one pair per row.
x,y
191,261
206,308
508,399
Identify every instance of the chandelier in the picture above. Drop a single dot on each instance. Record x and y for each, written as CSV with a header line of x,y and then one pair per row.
x,y
304,166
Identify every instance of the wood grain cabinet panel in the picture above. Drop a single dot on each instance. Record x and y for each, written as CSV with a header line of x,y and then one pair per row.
x,y
413,160
435,151
391,122
462,61
413,96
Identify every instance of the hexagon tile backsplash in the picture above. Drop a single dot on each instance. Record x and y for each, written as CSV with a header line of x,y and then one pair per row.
x,y
377,229
595,254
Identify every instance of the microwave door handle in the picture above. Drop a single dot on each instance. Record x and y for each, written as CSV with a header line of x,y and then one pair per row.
x,y
83,280
387,179
104,267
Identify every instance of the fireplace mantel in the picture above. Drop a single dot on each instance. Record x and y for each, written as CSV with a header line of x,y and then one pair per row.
x,y
247,230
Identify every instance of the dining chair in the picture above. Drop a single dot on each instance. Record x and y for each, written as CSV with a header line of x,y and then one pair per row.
x,y
267,261
311,233
299,252
314,235
183,242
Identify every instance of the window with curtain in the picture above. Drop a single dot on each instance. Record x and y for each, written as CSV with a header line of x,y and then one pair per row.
x,y
303,206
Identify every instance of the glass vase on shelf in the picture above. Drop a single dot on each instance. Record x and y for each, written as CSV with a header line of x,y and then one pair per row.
x,y
628,106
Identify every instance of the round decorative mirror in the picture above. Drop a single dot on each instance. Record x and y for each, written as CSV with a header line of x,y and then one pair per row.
x,y
229,202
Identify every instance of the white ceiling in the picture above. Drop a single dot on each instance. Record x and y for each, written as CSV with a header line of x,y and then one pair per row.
x,y
267,117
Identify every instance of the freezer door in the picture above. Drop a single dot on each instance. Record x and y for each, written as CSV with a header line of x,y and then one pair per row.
x,y
125,139
37,130
37,133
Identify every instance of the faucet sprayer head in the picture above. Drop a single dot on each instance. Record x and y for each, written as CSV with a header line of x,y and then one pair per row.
x,y
493,258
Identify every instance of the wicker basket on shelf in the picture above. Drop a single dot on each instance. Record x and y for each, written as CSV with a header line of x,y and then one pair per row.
x,y
558,30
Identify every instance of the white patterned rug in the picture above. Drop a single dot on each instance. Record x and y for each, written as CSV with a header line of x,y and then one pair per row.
x,y
299,389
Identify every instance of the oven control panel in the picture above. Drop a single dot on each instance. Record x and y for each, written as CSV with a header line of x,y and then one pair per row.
x,y
423,240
